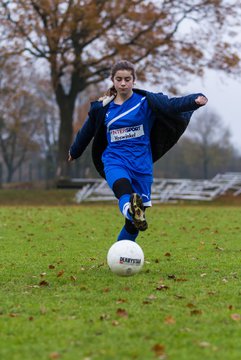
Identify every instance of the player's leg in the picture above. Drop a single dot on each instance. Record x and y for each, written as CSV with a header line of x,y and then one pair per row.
x,y
140,200
131,204
122,189
128,232
119,181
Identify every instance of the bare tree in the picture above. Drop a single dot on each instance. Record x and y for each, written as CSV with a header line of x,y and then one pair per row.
x,y
210,140
19,119
80,39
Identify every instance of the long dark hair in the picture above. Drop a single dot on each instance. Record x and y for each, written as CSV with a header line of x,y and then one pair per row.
x,y
120,65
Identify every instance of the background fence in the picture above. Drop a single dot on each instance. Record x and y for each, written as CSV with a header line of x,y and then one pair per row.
x,y
165,190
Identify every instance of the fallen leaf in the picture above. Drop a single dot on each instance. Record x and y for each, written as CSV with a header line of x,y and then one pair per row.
x,y
162,287
167,254
54,355
204,344
101,264
104,317
211,292
121,301
235,317
43,283
106,290
60,273
30,318
196,312
169,320
180,279
13,315
122,313
152,297
33,286
171,276
73,278
43,310
115,323
190,305
204,274
179,296
159,350
83,287
51,267
43,274
219,248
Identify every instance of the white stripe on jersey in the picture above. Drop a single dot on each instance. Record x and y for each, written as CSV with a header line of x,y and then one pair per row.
x,y
125,113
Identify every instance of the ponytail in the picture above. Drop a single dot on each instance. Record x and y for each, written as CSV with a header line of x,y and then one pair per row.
x,y
111,92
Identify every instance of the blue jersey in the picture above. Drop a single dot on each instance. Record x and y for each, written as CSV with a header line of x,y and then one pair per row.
x,y
128,136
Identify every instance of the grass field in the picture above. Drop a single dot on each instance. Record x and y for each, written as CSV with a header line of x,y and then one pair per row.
x,y
59,300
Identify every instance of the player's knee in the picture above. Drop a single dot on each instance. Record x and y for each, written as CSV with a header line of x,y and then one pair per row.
x,y
121,187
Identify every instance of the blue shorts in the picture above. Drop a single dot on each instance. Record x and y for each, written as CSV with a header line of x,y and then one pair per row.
x,y
139,186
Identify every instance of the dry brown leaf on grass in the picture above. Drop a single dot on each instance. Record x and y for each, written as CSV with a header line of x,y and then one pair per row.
x,y
60,273
104,317
169,320
43,310
54,355
13,315
190,305
121,301
159,351
235,317
162,287
122,313
106,290
196,312
43,283
115,323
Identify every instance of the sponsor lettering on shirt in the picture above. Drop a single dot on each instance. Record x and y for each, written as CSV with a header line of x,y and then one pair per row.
x,y
126,133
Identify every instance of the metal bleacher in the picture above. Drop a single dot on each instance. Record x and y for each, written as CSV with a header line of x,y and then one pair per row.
x,y
168,190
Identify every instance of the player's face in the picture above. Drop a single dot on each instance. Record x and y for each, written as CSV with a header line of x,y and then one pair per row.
x,y
123,82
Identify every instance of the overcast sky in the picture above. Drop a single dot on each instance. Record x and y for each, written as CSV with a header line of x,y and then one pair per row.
x,y
224,95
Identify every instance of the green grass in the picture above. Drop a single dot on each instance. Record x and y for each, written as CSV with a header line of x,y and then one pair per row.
x,y
59,300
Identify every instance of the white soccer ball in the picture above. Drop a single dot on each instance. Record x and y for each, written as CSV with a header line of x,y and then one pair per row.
x,y
125,258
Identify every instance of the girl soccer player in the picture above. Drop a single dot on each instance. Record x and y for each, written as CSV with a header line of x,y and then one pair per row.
x,y
132,128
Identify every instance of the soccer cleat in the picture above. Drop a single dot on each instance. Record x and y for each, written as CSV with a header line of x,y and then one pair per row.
x,y
137,212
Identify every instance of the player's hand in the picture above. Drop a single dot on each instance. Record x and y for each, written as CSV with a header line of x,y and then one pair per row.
x,y
201,100
70,158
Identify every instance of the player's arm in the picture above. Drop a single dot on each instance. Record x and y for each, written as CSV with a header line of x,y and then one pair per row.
x,y
187,103
82,139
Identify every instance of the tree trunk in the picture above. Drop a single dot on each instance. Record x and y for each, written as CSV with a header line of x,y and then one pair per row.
x,y
66,108
10,172
205,162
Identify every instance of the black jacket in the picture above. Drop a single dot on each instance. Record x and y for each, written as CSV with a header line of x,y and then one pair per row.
x,y
172,116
